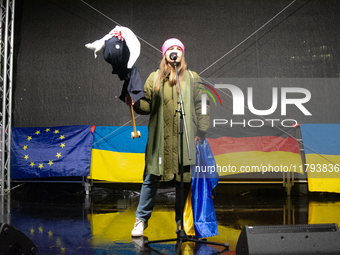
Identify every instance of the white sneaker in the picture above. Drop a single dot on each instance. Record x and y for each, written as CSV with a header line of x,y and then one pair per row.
x,y
139,227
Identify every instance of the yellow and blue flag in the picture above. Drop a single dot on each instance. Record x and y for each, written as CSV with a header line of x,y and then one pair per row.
x,y
202,186
51,151
322,152
116,157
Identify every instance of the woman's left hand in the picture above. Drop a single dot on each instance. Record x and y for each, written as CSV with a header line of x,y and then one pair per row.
x,y
198,139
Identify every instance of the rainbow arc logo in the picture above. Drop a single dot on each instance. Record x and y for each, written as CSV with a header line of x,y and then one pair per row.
x,y
204,97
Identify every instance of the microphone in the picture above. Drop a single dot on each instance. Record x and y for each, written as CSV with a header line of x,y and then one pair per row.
x,y
173,56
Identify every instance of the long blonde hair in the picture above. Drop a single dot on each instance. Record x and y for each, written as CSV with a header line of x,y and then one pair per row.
x,y
165,70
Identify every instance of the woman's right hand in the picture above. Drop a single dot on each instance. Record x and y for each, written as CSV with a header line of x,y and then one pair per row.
x,y
129,100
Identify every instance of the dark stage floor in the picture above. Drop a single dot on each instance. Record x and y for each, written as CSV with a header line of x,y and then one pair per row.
x,y
62,219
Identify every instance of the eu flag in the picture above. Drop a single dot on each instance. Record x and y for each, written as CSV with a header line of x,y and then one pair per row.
x,y
51,151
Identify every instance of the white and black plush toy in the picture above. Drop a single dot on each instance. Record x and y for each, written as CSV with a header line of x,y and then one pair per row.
x,y
121,48
122,33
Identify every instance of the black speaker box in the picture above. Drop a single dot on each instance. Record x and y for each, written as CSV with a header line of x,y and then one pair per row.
x,y
289,239
14,242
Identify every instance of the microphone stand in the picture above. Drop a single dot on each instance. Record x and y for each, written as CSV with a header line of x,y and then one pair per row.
x,y
181,234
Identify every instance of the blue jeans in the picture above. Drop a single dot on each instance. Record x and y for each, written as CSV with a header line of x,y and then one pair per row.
x,y
148,195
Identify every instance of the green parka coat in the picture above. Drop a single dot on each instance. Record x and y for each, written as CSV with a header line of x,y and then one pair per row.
x,y
163,146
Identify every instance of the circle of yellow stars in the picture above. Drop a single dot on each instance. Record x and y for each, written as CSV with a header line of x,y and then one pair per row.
x,y
50,162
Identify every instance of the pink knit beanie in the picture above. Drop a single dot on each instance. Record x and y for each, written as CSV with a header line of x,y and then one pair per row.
x,y
172,42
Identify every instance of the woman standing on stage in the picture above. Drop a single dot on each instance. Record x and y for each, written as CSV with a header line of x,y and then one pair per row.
x,y
162,155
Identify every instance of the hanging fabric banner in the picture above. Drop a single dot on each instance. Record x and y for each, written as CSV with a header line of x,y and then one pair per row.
x,y
51,151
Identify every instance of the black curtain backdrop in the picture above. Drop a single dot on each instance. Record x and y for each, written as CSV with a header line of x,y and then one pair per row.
x,y
58,82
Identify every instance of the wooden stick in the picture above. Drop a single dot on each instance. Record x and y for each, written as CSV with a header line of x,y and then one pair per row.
x,y
135,132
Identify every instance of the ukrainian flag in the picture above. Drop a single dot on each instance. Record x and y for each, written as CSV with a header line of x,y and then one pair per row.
x,y
116,157
322,151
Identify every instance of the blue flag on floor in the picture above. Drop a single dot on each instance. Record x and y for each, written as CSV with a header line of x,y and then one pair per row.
x,y
51,151
204,180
